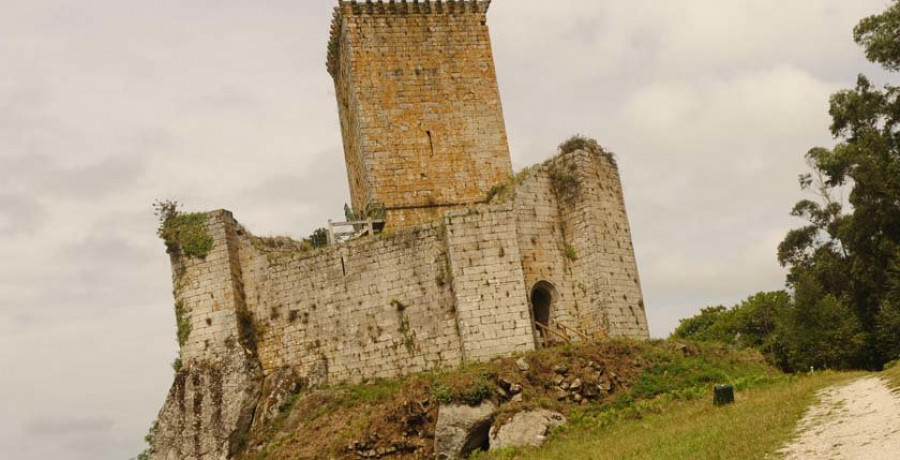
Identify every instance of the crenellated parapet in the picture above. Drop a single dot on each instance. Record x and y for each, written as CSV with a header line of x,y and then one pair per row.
x,y
417,92
348,8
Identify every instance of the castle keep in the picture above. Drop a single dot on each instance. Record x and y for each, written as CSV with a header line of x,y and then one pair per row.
x,y
419,106
473,262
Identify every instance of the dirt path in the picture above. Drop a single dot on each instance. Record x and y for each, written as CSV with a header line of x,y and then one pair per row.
x,y
856,421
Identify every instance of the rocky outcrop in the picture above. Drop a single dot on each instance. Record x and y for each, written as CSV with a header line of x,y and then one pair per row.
x,y
277,388
209,409
525,429
462,430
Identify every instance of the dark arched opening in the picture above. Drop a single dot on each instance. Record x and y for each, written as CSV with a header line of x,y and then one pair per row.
x,y
543,295
541,300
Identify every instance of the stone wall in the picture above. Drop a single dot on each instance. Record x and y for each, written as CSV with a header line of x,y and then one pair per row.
x,y
209,293
424,297
486,267
408,301
594,220
267,315
214,396
376,307
540,235
419,106
574,234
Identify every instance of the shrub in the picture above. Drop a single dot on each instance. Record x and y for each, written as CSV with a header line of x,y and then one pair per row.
x,y
579,142
183,233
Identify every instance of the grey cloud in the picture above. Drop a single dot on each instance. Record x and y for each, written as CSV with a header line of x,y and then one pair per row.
x,y
20,214
42,174
308,198
65,426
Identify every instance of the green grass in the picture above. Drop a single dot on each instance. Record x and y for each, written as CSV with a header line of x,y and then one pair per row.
x,y
892,374
760,422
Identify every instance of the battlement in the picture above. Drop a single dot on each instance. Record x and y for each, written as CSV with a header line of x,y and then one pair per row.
x,y
348,8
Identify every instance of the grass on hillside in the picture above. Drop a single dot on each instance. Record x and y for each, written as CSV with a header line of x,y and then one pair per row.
x,y
760,422
401,414
892,374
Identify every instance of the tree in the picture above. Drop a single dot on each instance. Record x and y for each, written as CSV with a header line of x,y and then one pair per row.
x,y
849,254
713,324
879,35
751,323
887,322
819,330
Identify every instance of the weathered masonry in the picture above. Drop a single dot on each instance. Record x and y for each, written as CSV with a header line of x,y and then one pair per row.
x,y
474,263
419,106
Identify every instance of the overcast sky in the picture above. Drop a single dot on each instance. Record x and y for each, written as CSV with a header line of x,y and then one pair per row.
x,y
106,105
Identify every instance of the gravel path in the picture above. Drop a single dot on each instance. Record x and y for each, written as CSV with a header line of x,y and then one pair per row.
x,y
856,421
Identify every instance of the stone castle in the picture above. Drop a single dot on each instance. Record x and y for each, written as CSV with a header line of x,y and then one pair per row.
x,y
471,263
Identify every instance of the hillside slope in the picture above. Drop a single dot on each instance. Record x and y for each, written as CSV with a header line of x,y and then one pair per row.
x,y
602,384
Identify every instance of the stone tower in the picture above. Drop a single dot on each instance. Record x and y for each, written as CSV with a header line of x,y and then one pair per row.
x,y
419,106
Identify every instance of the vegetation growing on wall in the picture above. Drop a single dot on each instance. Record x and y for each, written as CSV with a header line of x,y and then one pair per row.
x,y
579,142
185,234
563,176
182,323
149,438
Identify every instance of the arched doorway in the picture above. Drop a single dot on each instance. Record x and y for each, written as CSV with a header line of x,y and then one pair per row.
x,y
543,296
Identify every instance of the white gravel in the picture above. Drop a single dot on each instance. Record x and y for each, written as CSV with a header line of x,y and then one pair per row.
x,y
856,421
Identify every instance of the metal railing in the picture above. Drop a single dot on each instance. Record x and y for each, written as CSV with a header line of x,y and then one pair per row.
x,y
342,232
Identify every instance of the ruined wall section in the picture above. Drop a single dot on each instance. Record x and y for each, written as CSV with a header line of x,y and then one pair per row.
x,y
485,263
377,307
543,244
212,401
424,128
592,210
208,292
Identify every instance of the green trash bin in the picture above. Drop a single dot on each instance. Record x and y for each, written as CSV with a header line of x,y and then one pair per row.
x,y
723,395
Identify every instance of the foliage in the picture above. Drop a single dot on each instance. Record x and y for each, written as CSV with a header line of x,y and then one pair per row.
x,y
844,260
819,330
177,365
481,389
563,177
887,322
570,252
149,438
182,323
183,233
879,35
374,211
579,142
752,323
496,191
319,238
699,368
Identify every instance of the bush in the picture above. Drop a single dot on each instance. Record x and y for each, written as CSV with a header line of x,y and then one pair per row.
x,y
183,233
579,142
